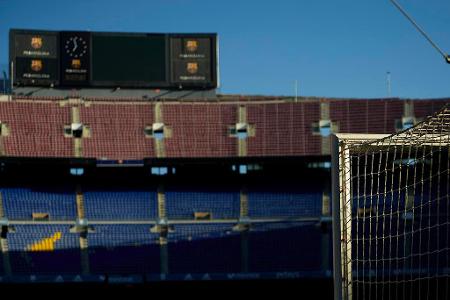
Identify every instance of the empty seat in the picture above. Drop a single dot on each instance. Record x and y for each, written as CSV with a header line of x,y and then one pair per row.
x,y
284,203
123,249
194,232
286,247
120,204
183,204
21,202
204,248
44,249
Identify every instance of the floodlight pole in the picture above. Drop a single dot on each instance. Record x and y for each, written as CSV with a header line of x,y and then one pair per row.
x,y
402,10
388,82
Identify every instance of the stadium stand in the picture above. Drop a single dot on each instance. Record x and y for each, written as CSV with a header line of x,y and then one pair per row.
x,y
377,116
199,231
47,249
423,108
42,238
123,249
197,128
52,203
273,248
121,235
284,203
117,131
187,220
35,129
283,129
120,204
184,203
200,130
211,248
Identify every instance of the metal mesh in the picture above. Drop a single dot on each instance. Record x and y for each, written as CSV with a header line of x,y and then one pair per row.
x,y
394,213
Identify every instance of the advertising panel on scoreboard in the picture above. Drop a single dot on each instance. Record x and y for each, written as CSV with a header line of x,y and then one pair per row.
x,y
191,72
75,58
36,71
35,44
35,57
193,60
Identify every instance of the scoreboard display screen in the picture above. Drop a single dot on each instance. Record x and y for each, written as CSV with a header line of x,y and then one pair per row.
x,y
106,59
135,59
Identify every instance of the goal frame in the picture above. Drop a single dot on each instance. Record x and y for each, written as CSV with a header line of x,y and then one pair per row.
x,y
432,132
341,198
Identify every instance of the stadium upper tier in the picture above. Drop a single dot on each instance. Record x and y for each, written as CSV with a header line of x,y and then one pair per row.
x,y
230,126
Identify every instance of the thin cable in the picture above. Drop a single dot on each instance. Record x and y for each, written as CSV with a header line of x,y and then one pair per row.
x,y
447,57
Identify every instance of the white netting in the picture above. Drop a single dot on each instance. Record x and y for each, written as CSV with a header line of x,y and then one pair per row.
x,y
394,213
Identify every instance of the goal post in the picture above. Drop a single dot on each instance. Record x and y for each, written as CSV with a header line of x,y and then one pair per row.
x,y
391,214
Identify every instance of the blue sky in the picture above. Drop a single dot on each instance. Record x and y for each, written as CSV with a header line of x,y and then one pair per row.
x,y
334,48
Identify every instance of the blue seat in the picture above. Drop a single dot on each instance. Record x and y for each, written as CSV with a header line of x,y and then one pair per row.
x,y
204,248
182,204
286,247
44,249
25,236
118,235
284,203
21,202
120,204
123,249
194,232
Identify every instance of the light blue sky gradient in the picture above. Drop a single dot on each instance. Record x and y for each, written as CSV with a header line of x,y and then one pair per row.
x,y
334,48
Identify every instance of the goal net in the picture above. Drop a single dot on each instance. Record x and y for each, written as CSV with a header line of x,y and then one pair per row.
x,y
391,213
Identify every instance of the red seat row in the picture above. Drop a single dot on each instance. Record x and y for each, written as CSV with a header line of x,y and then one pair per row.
x,y
197,128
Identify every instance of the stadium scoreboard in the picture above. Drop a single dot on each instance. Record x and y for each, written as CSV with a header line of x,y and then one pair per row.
x,y
106,59
35,57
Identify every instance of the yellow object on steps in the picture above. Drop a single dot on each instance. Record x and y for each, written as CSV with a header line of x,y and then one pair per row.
x,y
46,244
